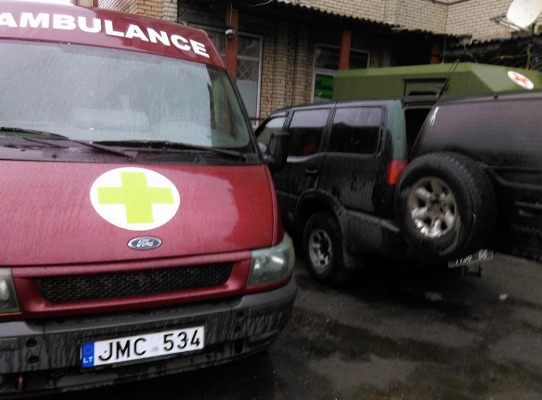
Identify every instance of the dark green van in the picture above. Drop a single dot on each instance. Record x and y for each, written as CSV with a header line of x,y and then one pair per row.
x,y
461,79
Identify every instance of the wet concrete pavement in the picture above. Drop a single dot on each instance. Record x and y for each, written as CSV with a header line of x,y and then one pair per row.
x,y
387,335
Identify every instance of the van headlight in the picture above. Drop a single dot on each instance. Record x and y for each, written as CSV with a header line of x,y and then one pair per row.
x,y
273,264
8,298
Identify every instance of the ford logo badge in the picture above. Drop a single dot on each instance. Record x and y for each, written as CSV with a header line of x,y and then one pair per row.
x,y
144,243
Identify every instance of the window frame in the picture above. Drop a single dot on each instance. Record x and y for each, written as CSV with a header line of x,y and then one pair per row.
x,y
327,71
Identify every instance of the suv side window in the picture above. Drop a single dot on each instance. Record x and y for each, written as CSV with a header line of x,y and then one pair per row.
x,y
307,128
273,125
356,130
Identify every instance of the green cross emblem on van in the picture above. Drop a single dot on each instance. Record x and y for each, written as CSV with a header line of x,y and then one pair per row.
x,y
135,198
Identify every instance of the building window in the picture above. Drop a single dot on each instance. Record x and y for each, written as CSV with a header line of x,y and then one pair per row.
x,y
326,65
249,66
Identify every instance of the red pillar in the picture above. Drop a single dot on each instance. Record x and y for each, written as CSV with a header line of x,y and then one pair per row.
x,y
232,21
346,44
435,54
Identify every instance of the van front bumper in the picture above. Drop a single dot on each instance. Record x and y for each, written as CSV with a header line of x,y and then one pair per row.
x,y
44,355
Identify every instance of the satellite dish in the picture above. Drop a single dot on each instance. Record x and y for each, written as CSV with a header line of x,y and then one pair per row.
x,y
523,13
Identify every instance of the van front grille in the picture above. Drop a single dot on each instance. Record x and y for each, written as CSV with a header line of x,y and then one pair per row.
x,y
65,289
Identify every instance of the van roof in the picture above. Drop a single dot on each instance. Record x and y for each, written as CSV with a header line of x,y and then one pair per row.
x,y
38,21
398,82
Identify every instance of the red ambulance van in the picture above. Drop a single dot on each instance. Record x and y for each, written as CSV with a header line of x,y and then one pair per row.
x,y
139,225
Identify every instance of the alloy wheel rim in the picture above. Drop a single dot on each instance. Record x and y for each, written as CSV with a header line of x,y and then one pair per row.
x,y
320,249
433,208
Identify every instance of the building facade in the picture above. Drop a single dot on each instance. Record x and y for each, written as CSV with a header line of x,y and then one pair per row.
x,y
286,52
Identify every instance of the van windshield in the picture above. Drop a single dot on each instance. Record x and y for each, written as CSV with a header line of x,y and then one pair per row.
x,y
97,94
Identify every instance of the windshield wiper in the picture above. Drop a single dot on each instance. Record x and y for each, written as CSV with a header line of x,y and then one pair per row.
x,y
164,146
45,143
105,149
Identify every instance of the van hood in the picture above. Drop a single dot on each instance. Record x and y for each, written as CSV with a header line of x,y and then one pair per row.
x,y
47,214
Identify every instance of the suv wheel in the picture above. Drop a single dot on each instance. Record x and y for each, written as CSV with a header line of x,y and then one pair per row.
x,y
433,207
323,247
446,205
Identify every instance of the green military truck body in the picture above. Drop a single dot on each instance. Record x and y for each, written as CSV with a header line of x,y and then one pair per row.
x,y
420,80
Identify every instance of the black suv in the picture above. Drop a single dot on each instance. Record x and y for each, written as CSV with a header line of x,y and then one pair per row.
x,y
362,178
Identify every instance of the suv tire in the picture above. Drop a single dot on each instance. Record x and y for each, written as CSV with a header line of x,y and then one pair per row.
x,y
323,248
446,205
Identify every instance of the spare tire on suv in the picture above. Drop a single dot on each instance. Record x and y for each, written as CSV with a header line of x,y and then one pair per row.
x,y
446,205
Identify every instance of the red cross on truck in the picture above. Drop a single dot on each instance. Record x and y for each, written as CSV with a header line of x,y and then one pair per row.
x,y
521,80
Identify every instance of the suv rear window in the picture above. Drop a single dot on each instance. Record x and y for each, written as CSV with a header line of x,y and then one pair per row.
x,y
307,128
356,130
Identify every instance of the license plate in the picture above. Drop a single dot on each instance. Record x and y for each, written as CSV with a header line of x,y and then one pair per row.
x,y
479,257
140,347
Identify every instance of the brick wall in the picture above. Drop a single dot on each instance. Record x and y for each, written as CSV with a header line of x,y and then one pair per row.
x,y
170,10
280,67
421,14
150,8
267,79
127,6
302,63
147,8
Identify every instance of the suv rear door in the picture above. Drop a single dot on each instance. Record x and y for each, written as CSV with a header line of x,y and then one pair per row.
x,y
302,172
353,169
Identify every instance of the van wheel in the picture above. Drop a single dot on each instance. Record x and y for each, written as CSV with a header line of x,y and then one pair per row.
x,y
323,247
446,205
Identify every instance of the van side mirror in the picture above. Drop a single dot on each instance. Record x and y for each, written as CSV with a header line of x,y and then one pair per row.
x,y
276,153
